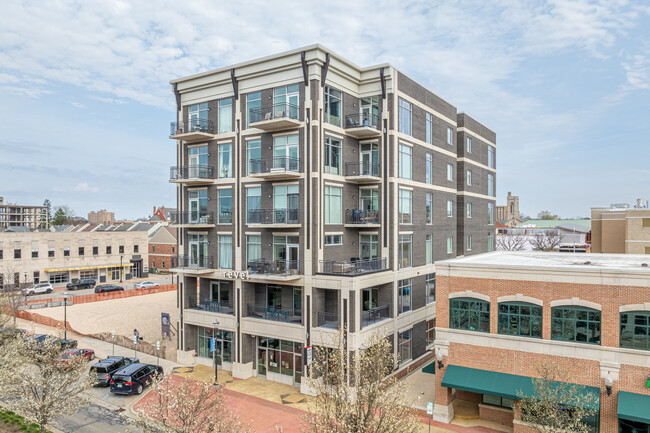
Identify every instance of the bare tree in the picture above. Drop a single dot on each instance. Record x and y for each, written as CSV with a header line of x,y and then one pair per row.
x,y
511,241
35,382
548,241
11,295
359,394
181,405
557,405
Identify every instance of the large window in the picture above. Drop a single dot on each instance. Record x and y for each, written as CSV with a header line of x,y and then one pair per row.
x,y
333,204
225,160
450,172
490,156
430,288
225,206
490,213
428,246
498,401
429,168
333,240
405,251
286,203
369,298
579,324
225,251
490,182
469,313
254,107
253,205
332,106
404,117
450,136
285,153
520,318
404,295
635,330
428,127
332,155
405,161
223,344
198,117
368,246
469,209
430,331
280,357
253,156
450,245
253,247
225,115
429,208
450,208
405,206
404,342
286,101
59,277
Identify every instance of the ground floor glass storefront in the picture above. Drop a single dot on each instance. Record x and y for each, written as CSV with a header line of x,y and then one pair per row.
x,y
224,345
626,426
280,357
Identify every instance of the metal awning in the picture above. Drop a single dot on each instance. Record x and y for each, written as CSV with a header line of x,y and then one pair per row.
x,y
634,407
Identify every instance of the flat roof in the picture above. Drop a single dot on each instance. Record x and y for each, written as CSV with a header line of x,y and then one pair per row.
x,y
533,259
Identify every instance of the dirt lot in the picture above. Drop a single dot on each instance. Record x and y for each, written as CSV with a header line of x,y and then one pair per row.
x,y
122,315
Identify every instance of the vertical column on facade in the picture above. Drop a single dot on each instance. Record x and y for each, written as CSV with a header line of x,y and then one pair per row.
x,y
443,409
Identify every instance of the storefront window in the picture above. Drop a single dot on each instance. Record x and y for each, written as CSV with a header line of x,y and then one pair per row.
x,y
224,344
577,324
634,330
520,318
279,356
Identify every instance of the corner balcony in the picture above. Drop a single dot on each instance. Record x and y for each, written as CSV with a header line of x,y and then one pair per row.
x,y
193,219
275,270
273,218
275,314
192,130
362,172
196,265
362,218
374,315
353,267
219,307
276,168
362,125
192,174
275,117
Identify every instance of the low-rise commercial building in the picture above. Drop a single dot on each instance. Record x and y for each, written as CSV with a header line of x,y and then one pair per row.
x,y
501,315
621,228
162,249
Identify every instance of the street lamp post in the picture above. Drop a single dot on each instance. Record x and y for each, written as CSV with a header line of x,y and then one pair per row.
x,y
25,280
113,342
65,315
214,353
121,269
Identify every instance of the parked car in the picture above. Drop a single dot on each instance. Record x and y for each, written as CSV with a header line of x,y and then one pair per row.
x,y
133,378
146,285
39,289
65,344
104,288
81,284
102,371
7,333
88,354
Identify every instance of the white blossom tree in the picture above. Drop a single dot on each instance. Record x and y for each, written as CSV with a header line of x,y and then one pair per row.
x,y
511,242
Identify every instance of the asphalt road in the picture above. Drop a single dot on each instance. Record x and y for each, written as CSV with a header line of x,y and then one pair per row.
x,y
94,419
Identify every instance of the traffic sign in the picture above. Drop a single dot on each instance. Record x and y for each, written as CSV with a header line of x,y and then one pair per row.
x,y
429,408
157,345
308,355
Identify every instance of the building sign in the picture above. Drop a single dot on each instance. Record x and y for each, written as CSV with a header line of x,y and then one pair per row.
x,y
145,268
308,355
235,275
164,319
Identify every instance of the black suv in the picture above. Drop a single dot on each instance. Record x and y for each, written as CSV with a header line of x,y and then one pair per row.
x,y
133,378
108,288
102,371
81,284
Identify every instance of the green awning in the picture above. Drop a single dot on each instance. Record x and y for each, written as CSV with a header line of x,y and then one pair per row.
x,y
634,407
431,368
499,384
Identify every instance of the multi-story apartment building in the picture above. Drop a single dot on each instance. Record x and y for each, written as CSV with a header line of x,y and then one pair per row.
x,y
105,253
102,216
14,215
315,194
502,316
621,229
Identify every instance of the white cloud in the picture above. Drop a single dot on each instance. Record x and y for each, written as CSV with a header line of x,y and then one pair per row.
x,y
84,187
76,104
637,71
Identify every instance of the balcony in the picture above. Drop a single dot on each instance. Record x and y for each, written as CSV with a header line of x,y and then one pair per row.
x,y
280,167
275,117
194,264
374,315
194,219
362,172
192,174
363,125
353,267
273,218
328,320
219,307
279,270
192,130
362,218
275,314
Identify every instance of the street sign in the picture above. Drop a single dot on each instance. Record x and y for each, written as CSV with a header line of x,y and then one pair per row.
x,y
145,268
429,408
135,339
113,335
157,345
308,355
212,345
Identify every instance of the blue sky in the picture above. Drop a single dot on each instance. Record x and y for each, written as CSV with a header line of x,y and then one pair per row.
x,y
86,105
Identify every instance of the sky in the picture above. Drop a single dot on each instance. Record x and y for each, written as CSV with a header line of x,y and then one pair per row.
x,y
85,100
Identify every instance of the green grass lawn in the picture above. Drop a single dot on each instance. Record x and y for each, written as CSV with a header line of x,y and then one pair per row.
x,y
11,422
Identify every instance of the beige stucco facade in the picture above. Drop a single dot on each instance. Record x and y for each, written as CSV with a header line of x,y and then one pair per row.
x,y
620,230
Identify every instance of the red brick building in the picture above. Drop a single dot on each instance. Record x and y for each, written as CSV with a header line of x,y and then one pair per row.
x,y
501,315
162,249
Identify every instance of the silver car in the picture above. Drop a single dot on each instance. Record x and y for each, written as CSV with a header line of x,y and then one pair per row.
x,y
39,289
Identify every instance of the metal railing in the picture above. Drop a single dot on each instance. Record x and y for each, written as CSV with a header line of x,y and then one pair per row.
x,y
276,314
353,266
276,111
225,217
222,307
356,216
328,320
199,262
193,217
194,125
360,120
191,172
374,315
275,164
273,216
274,267
361,169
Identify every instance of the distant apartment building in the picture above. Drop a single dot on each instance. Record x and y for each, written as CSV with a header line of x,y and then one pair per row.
x,y
14,215
508,214
620,228
101,217
105,253
501,316
316,195
163,249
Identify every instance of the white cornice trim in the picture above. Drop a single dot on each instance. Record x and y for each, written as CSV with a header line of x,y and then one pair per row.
x,y
469,294
576,302
520,298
